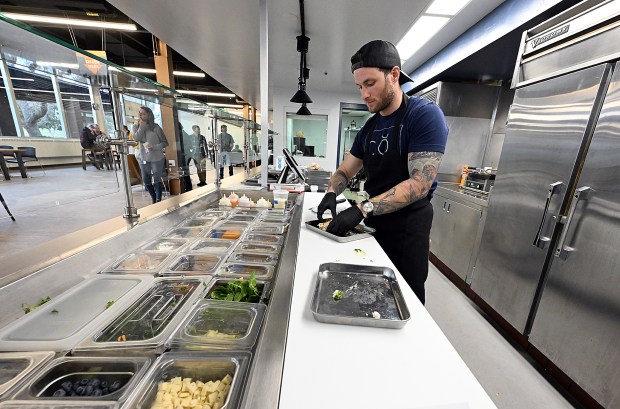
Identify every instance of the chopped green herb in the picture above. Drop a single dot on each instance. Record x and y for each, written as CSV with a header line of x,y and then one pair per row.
x,y
238,290
337,295
109,304
29,308
54,311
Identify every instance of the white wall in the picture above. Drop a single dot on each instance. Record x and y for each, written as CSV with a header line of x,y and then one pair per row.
x,y
323,104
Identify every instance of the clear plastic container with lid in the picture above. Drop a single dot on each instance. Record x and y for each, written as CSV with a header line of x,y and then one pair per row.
x,y
252,258
192,264
262,272
219,324
165,244
184,232
211,246
221,373
140,262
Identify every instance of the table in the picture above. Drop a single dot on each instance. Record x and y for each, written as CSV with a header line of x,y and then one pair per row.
x,y
20,162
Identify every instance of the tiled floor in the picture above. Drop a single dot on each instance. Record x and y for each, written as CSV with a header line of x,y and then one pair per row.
x,y
69,199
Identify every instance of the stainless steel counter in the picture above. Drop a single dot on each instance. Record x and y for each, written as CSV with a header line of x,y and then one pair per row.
x,y
455,192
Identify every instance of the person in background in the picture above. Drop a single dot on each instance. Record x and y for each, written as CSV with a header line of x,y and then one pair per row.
x,y
128,134
152,143
226,145
195,149
400,149
236,149
88,140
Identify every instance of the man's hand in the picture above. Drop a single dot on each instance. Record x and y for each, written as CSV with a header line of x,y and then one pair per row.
x,y
345,221
328,203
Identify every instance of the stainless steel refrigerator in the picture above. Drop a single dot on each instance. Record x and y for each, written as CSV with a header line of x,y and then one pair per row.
x,y
549,261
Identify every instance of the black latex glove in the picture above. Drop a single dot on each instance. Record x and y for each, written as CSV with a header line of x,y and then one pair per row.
x,y
328,203
345,221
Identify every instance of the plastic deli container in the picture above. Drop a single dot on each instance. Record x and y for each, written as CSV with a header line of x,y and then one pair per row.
x,y
211,246
258,248
237,270
214,378
150,320
264,238
268,228
15,366
262,286
219,324
67,319
89,379
166,245
140,262
193,264
252,258
184,232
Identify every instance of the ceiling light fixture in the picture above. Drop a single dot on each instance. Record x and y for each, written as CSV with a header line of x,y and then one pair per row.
x,y
304,110
57,64
420,32
189,74
301,96
207,93
153,71
446,7
71,21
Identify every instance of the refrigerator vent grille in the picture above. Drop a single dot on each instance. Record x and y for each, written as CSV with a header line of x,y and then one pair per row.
x,y
430,95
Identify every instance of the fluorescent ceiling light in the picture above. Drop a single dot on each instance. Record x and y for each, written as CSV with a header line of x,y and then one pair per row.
x,y
189,74
446,7
153,71
422,30
142,70
212,94
71,21
143,89
57,64
226,105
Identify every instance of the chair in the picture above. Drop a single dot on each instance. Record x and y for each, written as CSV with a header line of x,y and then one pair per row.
x,y
30,155
4,203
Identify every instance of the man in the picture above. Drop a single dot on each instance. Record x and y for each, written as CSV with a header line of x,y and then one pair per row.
x,y
400,148
194,147
226,145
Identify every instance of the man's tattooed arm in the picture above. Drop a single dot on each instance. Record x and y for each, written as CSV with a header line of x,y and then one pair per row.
x,y
338,182
422,172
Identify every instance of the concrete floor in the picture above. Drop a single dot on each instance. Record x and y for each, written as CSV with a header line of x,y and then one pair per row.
x,y
68,199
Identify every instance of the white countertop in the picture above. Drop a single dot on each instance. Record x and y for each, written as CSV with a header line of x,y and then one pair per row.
x,y
343,366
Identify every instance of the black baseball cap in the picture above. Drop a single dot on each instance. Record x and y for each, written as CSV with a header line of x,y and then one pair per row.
x,y
379,54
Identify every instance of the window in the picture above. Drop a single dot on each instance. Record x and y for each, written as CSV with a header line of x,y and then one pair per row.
x,y
306,135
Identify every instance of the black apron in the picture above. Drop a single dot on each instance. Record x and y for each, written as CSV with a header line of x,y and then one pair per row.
x,y
404,234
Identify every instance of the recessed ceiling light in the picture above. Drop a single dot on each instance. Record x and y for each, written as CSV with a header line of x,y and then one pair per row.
x,y
57,64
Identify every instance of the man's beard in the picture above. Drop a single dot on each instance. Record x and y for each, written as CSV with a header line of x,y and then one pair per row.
x,y
385,99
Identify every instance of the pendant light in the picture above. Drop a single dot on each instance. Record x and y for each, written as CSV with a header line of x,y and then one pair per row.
x,y
304,110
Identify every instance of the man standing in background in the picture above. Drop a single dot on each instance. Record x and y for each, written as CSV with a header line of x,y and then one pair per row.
x,y
226,145
194,147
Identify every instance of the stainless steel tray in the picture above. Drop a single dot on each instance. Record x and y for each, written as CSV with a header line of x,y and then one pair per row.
x,y
366,292
15,366
358,233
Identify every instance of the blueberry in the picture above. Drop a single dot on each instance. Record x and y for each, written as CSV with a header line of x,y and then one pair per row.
x,y
115,385
89,390
105,391
84,382
72,393
97,392
67,386
80,390
59,393
95,382
104,384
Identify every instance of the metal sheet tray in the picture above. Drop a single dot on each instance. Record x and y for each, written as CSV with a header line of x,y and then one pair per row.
x,y
358,233
366,290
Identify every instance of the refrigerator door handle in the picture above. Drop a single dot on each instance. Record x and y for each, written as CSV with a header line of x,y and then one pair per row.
x,y
562,251
541,241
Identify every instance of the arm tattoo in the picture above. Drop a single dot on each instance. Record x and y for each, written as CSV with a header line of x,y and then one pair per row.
x,y
422,172
339,182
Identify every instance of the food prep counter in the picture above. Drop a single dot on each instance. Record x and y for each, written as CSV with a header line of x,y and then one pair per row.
x,y
274,348
329,365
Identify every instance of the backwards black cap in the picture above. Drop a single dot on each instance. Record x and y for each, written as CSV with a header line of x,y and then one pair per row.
x,y
379,54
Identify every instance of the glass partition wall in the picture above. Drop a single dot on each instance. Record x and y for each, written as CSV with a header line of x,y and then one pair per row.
x,y
50,92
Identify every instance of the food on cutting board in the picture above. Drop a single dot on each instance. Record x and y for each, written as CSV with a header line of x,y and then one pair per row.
x,y
189,394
